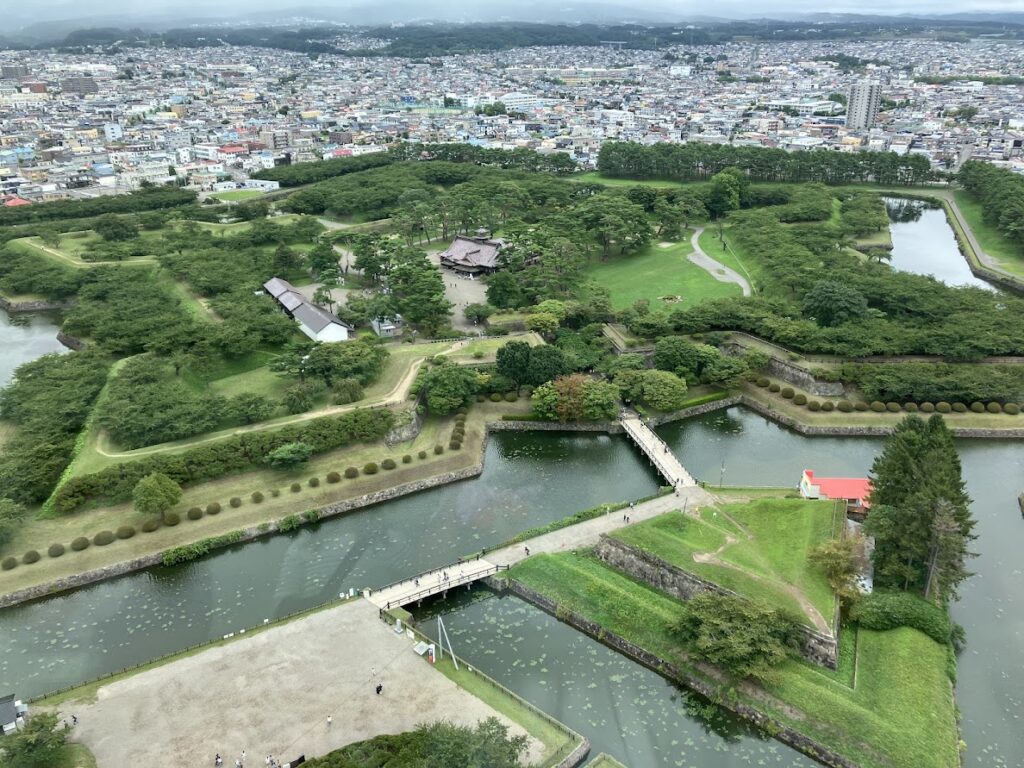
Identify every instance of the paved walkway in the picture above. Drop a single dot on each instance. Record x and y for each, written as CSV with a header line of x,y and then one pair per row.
x,y
657,451
271,693
715,268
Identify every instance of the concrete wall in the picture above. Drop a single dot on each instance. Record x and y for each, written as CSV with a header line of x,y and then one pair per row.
x,y
817,648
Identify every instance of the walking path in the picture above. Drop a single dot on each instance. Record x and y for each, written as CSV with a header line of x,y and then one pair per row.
x,y
716,269
657,450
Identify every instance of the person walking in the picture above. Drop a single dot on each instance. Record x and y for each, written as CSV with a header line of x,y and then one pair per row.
x,y
380,688
330,720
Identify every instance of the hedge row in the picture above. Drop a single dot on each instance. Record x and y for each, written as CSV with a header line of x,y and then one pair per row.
x,y
233,454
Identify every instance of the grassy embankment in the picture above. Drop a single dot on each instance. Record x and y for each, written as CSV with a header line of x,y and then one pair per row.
x,y
899,712
759,550
991,240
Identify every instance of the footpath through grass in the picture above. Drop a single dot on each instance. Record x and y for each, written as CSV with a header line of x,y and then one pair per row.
x,y
763,555
900,713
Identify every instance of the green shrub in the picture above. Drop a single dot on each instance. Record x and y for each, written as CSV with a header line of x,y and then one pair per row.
x,y
422,455
481,398
311,515
9,563
978,407
959,407
877,407
800,399
257,497
289,523
892,407
275,492
454,445
194,513
172,518
994,407
773,387
32,556
787,392
910,407
460,413
927,407
295,487
438,450
511,397
370,468
845,406
235,502
103,538
313,482
333,477
763,382
813,405
388,464
199,548
79,543
55,550
495,397
1011,408
407,459
882,611
148,526
943,407
828,406
351,472
125,532
213,508
861,406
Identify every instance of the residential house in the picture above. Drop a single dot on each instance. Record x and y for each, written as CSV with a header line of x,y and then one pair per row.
x,y
855,491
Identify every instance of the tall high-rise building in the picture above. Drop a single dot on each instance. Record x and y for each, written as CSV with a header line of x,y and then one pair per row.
x,y
862,106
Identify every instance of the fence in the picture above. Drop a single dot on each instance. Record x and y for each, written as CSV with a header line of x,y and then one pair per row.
x,y
444,586
561,756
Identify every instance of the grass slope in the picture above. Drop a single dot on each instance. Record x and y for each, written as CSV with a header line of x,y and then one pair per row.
x,y
990,239
899,714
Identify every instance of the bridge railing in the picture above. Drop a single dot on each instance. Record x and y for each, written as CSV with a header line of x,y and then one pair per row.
x,y
653,456
444,586
446,567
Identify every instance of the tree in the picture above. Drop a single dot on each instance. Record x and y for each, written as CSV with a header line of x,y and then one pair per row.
x,y
449,387
724,194
615,221
38,745
155,494
830,303
249,408
477,313
575,398
115,228
286,260
661,390
513,360
322,258
361,359
741,637
543,323
416,291
289,455
11,515
504,291
545,363
839,559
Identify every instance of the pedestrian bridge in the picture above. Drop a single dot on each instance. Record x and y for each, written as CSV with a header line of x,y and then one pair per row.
x,y
435,582
660,455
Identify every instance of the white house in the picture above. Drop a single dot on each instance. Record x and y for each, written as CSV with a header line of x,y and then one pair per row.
x,y
316,322
12,714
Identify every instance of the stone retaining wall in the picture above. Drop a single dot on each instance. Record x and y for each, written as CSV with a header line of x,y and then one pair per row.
x,y
793,374
33,306
513,425
71,342
696,410
818,648
785,734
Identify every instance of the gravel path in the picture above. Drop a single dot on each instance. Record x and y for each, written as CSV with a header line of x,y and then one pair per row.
x,y
716,269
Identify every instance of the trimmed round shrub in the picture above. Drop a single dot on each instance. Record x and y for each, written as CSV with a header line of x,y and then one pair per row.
x,y
861,406
994,408
438,450
481,398
422,455
813,405
80,543
978,407
213,508
1011,408
30,557
194,513
56,550
235,502
454,445
351,472
257,497
828,405
125,531
773,387
407,459
495,397
800,399
370,468
892,407
787,392
511,397
103,538
333,477
295,487
959,407
172,518
763,382
943,407
460,418
313,482
275,492
845,406
388,464
9,563
927,407
148,526
461,412
910,407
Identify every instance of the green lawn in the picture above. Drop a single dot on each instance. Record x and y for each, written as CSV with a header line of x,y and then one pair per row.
x,y
901,712
594,177
763,549
237,194
991,240
658,273
727,255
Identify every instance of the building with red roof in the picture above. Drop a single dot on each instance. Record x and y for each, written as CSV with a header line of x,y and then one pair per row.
x,y
14,200
855,491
